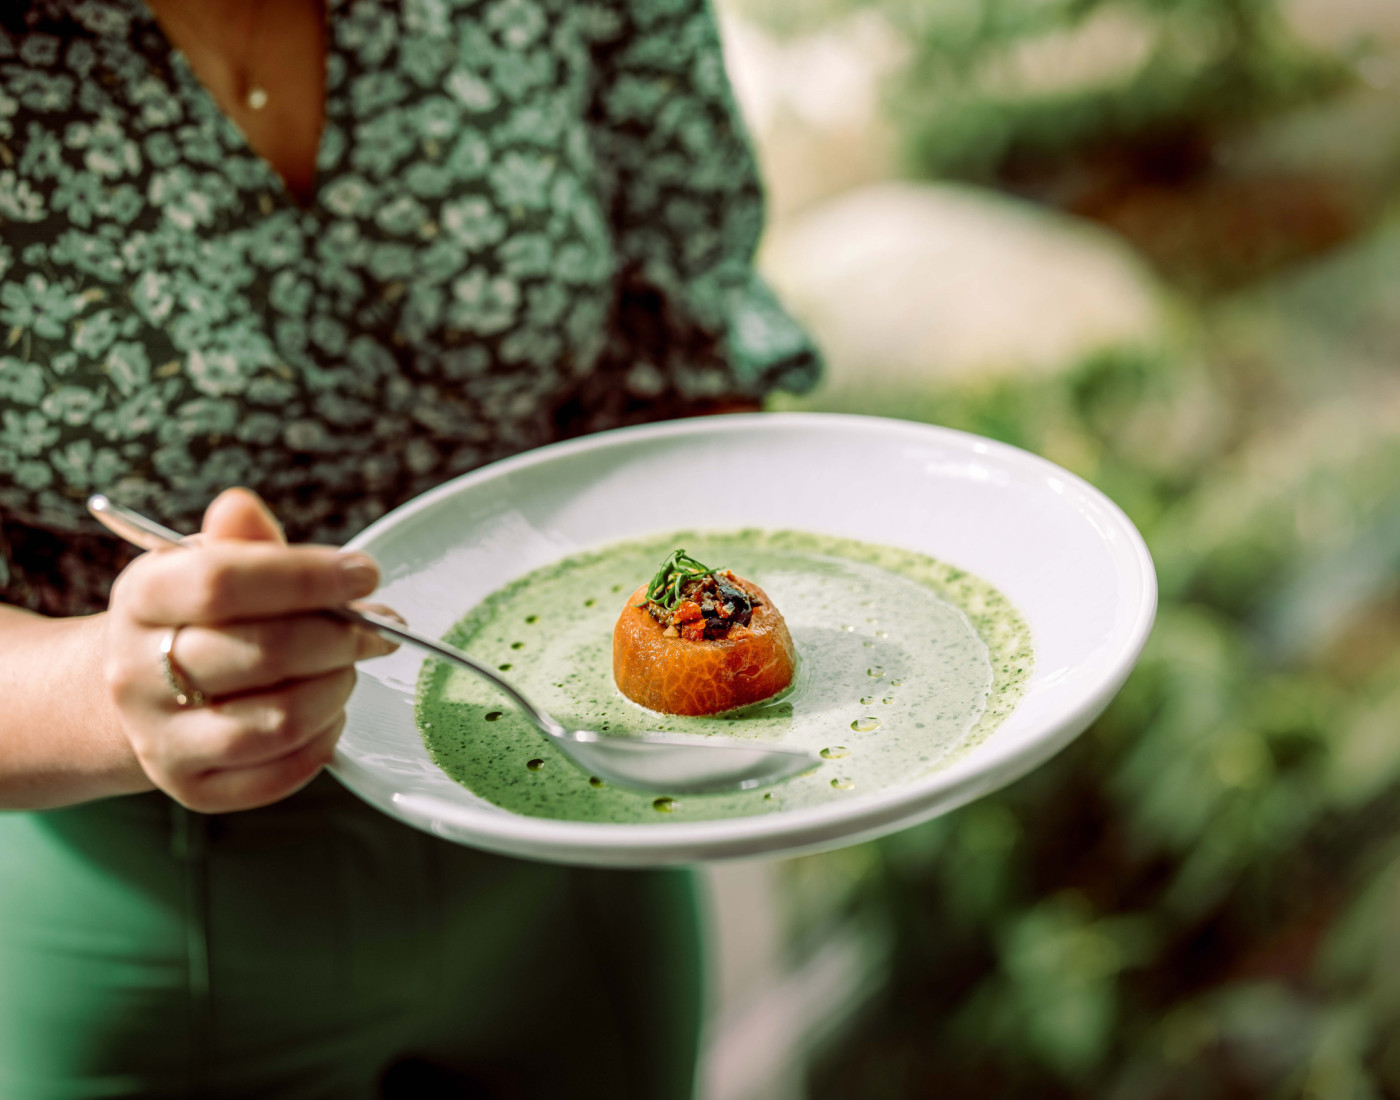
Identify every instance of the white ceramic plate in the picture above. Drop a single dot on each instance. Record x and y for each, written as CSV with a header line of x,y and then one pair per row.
x,y
1066,556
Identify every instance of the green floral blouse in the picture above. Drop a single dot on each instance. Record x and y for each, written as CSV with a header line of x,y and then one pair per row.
x,y
532,218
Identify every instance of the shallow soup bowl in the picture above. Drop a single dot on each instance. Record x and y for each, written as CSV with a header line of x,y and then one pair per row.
x,y
1066,556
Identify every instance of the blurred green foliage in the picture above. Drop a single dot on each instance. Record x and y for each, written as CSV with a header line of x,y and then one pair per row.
x,y
1201,896
988,86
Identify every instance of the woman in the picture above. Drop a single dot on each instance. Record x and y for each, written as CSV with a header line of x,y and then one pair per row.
x,y
337,256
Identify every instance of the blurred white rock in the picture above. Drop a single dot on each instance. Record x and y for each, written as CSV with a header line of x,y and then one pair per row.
x,y
909,283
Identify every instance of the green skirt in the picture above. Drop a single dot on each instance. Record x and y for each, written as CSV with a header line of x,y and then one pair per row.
x,y
317,948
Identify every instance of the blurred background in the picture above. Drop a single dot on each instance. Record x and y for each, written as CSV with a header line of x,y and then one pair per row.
x,y
1158,242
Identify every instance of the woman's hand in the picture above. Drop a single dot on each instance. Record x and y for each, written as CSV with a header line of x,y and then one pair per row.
x,y
274,673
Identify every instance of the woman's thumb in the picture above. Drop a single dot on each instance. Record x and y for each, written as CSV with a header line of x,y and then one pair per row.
x,y
241,514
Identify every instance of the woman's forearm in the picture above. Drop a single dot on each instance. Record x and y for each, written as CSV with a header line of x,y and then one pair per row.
x,y
60,739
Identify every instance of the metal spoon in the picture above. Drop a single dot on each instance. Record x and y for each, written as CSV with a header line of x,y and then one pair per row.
x,y
658,762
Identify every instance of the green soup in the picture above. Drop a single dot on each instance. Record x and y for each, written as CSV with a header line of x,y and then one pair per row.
x,y
904,661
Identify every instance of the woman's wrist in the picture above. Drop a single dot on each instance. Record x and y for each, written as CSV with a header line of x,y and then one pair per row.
x,y
61,741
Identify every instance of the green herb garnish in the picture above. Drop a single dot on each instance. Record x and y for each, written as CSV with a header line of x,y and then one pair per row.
x,y
665,588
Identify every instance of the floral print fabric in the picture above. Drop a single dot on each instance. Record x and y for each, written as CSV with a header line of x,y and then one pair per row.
x,y
532,218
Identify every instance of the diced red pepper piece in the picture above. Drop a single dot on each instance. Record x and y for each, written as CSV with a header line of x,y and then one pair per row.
x,y
686,611
693,631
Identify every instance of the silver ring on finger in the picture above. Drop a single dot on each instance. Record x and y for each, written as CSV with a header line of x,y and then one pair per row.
x,y
176,679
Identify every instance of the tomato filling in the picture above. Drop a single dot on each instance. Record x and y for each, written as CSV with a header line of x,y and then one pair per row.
x,y
710,606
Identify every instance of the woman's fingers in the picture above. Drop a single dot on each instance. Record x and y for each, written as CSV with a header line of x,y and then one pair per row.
x,y
260,727
251,656
241,514
230,581
225,790
254,639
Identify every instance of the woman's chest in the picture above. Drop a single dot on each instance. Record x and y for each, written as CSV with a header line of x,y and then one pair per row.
x,y
455,177
182,323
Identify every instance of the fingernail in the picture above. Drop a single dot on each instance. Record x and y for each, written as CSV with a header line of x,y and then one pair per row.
x,y
359,575
375,645
390,613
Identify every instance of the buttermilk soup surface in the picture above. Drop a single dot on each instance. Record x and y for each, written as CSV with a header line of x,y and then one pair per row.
x,y
904,661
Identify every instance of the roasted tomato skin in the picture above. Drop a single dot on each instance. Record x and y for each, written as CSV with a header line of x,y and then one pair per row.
x,y
681,671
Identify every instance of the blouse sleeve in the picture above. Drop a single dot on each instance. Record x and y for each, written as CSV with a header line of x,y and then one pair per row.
x,y
692,319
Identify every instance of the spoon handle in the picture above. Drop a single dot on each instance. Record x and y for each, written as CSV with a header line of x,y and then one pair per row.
x,y
137,529
146,533
397,632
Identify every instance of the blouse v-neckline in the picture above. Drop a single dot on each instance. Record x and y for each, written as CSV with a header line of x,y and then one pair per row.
x,y
233,134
